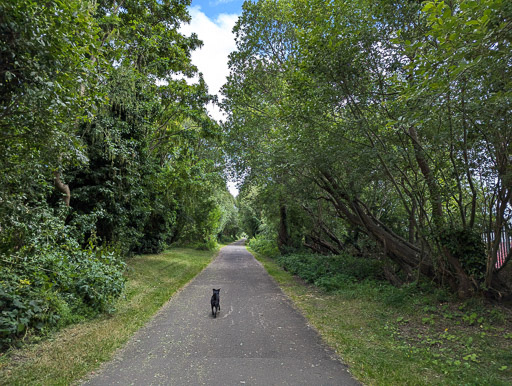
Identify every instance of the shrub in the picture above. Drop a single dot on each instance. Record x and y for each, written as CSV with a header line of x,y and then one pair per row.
x,y
331,272
264,246
209,245
49,288
334,283
469,248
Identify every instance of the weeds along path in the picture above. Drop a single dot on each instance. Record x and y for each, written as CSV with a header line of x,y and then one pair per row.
x,y
258,338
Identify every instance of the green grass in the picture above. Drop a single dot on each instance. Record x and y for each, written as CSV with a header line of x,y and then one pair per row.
x,y
392,336
69,355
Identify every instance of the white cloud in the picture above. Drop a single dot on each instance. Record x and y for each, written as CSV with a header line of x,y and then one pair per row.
x,y
212,58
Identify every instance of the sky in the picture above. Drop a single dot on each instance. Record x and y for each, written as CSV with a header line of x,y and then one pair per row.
x,y
213,8
213,21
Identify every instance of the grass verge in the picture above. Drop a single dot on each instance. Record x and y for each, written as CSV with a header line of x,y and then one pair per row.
x,y
392,336
77,350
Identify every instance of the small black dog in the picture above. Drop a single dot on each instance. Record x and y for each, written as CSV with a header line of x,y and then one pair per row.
x,y
215,302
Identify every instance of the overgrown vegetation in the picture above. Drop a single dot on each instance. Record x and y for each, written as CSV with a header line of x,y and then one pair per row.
x,y
150,282
264,245
105,151
374,133
56,287
378,129
416,334
332,272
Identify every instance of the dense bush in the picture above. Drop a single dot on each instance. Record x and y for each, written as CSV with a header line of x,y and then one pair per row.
x,y
105,158
469,248
331,272
263,245
359,276
56,286
208,245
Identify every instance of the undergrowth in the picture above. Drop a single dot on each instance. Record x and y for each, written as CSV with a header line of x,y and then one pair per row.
x,y
264,245
48,289
416,334
63,357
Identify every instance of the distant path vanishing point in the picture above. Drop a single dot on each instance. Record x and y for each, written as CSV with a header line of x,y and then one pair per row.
x,y
258,338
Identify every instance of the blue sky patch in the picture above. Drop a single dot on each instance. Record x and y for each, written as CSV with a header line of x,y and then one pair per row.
x,y
213,8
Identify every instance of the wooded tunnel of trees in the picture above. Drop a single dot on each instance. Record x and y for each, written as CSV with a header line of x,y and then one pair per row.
x,y
379,130
382,129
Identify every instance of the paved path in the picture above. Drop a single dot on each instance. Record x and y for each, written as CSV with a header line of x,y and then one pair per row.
x,y
258,338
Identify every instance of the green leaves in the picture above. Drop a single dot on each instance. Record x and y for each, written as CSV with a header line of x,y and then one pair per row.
x,y
46,62
92,91
389,104
46,290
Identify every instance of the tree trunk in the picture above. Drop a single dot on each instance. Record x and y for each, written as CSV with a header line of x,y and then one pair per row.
x,y
435,197
320,246
412,222
339,246
464,285
404,253
283,240
63,188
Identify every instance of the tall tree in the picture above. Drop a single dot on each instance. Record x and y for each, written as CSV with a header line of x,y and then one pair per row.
x,y
45,62
142,126
350,99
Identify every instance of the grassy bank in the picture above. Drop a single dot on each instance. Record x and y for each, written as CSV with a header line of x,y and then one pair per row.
x,y
392,336
72,353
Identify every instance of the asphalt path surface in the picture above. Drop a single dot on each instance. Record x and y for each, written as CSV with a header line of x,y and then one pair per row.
x,y
258,337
